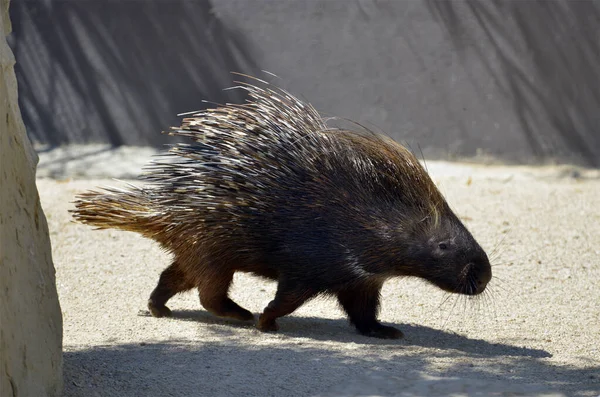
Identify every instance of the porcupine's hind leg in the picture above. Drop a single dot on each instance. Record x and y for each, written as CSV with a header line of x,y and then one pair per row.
x,y
287,299
213,289
361,303
171,282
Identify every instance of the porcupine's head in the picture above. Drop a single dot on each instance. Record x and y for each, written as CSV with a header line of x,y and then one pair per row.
x,y
445,253
416,226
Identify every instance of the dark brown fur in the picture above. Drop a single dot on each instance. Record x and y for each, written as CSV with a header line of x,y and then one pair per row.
x,y
267,188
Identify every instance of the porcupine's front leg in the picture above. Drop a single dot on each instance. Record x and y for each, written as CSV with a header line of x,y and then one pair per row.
x,y
361,303
287,299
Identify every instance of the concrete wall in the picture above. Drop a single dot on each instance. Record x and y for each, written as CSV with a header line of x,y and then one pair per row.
x,y
30,316
517,80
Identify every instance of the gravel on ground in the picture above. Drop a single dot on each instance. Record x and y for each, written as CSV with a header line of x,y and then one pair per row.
x,y
535,331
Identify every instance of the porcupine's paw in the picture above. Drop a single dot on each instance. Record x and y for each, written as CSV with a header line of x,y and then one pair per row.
x,y
225,307
158,311
265,324
240,314
378,330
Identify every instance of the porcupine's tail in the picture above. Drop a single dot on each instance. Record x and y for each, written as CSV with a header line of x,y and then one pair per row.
x,y
112,208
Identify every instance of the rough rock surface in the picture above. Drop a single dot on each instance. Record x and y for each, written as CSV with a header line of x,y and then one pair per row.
x,y
30,316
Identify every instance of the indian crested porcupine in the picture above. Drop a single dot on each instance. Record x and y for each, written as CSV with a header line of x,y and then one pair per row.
x,y
268,188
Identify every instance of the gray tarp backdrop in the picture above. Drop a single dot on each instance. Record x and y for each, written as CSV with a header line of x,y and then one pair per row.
x,y
516,80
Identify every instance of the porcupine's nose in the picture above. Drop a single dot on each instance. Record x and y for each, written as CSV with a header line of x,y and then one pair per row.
x,y
482,280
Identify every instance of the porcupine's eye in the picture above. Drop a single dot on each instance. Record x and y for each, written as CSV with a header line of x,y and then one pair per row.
x,y
443,246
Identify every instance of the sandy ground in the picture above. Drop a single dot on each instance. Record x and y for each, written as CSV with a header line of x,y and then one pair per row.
x,y
536,330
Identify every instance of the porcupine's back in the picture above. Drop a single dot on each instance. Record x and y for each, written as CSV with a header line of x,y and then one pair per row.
x,y
260,177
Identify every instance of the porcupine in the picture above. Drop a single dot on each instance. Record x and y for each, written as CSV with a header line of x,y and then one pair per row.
x,y
266,187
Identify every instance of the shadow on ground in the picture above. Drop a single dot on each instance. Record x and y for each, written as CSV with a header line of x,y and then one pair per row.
x,y
322,329
300,361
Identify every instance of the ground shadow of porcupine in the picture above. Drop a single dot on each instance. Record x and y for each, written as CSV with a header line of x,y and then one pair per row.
x,y
268,188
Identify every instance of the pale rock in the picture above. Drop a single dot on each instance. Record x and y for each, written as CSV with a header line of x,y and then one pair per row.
x,y
30,316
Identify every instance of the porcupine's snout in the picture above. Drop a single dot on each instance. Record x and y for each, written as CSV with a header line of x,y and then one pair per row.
x,y
475,277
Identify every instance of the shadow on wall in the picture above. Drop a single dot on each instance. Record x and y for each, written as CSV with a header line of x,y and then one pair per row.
x,y
546,58
119,71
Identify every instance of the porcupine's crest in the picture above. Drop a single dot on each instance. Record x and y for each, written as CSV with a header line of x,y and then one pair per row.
x,y
243,153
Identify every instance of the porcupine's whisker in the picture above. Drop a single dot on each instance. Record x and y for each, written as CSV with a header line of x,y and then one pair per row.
x,y
499,288
480,299
499,244
517,259
503,284
471,300
508,291
489,292
459,287
457,297
447,295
